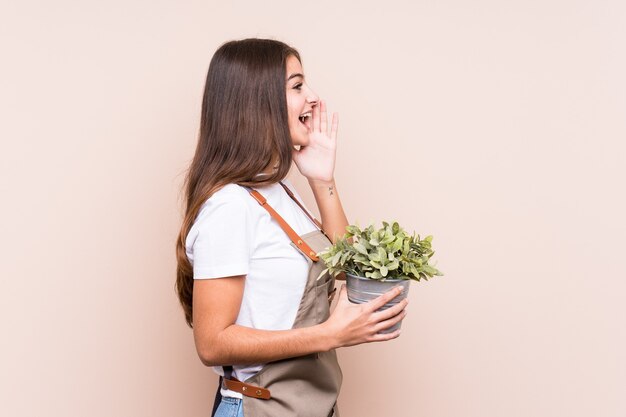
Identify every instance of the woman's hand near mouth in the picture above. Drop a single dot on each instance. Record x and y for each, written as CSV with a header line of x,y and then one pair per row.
x,y
316,161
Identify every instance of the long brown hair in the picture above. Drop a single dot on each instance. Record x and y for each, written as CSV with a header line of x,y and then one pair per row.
x,y
244,131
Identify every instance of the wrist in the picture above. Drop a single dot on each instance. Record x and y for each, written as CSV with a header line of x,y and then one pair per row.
x,y
326,338
322,183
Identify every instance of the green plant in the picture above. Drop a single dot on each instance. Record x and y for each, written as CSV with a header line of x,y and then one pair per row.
x,y
386,253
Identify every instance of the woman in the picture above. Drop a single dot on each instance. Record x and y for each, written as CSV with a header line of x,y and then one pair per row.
x,y
247,247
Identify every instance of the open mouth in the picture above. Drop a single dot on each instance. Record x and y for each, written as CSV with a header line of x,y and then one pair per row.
x,y
305,119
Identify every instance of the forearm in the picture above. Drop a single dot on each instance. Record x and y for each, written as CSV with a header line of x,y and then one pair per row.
x,y
334,219
244,345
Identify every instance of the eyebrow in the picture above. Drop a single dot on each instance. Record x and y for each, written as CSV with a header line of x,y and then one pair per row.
x,y
297,74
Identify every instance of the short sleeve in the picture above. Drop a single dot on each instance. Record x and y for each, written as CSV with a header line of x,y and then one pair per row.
x,y
222,240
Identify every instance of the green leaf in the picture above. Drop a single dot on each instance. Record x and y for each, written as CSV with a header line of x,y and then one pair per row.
x,y
374,256
429,270
344,257
382,255
393,265
322,273
397,244
354,230
387,239
374,275
360,248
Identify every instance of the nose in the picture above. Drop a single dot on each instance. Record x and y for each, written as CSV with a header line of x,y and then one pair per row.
x,y
312,98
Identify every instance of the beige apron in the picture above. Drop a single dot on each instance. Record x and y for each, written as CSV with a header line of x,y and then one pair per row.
x,y
305,386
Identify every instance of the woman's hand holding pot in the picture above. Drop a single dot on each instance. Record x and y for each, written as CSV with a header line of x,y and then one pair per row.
x,y
352,324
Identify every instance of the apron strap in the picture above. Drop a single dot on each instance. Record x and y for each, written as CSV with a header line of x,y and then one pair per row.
x,y
233,384
295,238
313,219
293,197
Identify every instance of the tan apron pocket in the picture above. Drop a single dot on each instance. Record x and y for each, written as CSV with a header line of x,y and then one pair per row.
x,y
322,306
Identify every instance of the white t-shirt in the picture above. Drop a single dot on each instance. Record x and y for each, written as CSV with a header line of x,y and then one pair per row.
x,y
234,235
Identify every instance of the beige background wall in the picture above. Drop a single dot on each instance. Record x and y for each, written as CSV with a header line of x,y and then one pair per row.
x,y
497,126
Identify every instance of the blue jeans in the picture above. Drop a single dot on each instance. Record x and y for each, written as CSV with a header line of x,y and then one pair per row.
x,y
230,407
